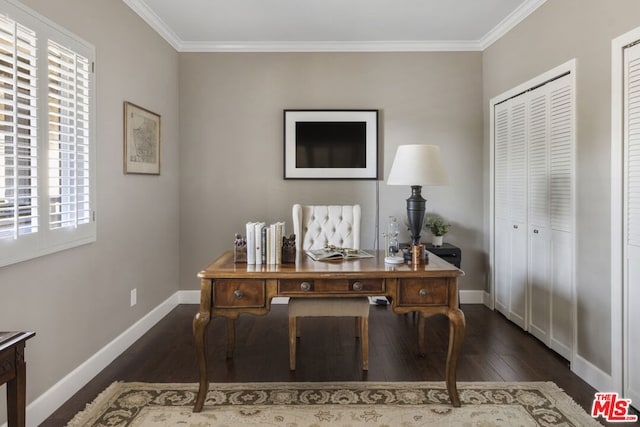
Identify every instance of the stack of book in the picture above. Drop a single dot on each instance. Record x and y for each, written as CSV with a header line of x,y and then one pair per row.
x,y
264,243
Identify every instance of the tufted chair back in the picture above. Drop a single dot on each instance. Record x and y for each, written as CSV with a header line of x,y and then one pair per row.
x,y
315,226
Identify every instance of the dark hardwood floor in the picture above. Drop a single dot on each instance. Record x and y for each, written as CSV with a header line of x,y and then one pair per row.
x,y
494,349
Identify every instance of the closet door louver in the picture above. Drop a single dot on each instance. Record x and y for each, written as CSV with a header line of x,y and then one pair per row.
x,y
518,160
511,209
561,149
501,161
501,202
538,227
538,182
518,209
632,222
561,145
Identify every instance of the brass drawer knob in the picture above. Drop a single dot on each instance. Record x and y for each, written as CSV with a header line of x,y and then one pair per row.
x,y
238,294
357,286
305,286
424,293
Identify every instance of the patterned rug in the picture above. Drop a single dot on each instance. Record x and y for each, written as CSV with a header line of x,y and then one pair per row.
x,y
404,404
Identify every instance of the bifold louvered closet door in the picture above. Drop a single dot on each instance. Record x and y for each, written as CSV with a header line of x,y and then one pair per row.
x,y
631,242
533,200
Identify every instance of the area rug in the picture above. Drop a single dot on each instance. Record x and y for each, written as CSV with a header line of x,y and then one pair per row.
x,y
405,404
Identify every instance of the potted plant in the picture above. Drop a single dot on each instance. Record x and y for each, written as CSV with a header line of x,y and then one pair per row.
x,y
438,228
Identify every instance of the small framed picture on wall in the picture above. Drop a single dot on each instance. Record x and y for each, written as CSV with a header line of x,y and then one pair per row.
x,y
141,140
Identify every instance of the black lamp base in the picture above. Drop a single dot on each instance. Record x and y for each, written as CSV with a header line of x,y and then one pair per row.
x,y
415,213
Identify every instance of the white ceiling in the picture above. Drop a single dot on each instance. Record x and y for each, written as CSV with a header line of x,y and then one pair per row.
x,y
332,25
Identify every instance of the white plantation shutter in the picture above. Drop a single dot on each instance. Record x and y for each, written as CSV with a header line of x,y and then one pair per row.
x,y
69,196
47,137
18,131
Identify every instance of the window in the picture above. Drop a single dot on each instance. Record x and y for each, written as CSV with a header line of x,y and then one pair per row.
x,y
47,191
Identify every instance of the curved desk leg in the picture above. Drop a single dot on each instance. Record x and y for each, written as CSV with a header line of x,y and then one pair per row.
x,y
200,324
456,333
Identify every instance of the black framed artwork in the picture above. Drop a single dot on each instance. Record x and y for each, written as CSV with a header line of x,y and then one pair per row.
x,y
330,144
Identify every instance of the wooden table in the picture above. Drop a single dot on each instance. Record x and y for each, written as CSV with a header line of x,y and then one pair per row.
x,y
13,372
228,290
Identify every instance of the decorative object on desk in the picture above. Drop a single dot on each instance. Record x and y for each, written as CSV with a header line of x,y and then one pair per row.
x,y
392,247
330,144
289,249
366,403
438,228
417,165
239,249
141,140
417,255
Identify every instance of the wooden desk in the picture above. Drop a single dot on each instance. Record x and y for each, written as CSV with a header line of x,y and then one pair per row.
x,y
13,371
228,290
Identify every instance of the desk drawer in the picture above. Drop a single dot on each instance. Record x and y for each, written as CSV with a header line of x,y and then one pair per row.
x,y
434,291
238,293
327,286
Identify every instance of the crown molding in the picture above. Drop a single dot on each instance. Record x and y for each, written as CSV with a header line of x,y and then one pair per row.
x,y
508,23
154,21
513,19
331,46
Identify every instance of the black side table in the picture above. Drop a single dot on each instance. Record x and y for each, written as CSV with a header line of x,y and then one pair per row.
x,y
447,252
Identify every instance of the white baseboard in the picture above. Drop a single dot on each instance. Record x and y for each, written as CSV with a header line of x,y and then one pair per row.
x,y
45,404
488,300
189,297
471,297
593,375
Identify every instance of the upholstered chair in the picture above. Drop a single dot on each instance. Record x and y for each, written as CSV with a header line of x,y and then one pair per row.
x,y
315,227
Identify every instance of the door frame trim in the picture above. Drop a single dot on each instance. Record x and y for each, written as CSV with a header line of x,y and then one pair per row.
x,y
618,315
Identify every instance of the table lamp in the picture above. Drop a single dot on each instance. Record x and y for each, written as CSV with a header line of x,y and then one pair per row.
x,y
417,165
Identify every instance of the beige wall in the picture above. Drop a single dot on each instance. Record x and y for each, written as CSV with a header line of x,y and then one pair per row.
x,y
555,33
78,300
231,126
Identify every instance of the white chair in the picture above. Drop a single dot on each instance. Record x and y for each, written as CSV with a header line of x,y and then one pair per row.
x,y
315,227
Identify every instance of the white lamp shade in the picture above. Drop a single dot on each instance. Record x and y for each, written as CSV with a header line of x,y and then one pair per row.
x,y
417,164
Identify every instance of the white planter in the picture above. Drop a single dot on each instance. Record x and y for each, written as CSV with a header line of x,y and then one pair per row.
x,y
437,240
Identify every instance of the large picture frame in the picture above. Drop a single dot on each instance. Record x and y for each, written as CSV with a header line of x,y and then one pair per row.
x,y
330,144
141,140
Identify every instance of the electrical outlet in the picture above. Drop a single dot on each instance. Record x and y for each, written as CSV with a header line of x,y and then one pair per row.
x,y
134,296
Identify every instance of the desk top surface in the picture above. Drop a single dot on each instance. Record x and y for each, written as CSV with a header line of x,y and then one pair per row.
x,y
8,339
224,267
